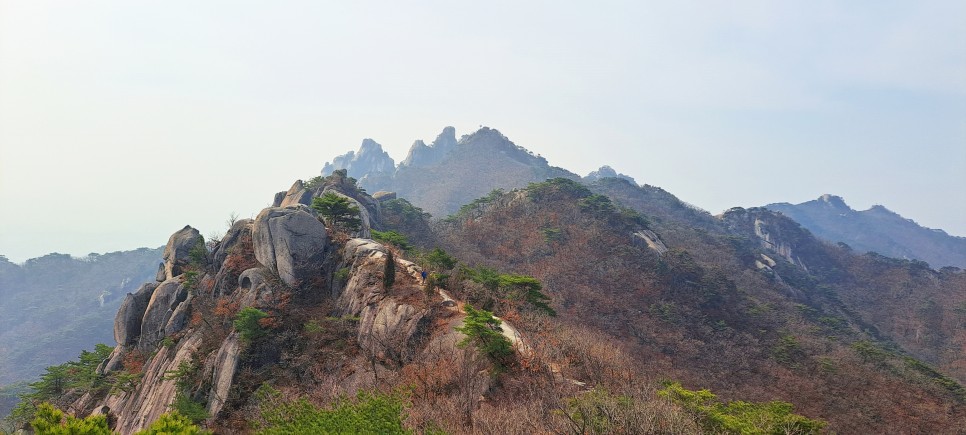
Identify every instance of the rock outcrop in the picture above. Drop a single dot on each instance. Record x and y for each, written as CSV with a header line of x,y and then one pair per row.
x,y
297,194
371,165
290,241
607,172
127,322
394,324
176,251
165,301
422,155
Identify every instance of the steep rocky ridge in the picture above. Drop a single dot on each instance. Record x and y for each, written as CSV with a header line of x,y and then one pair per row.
x,y
877,229
285,263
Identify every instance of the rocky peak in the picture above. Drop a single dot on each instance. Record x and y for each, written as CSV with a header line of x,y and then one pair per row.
x,y
834,201
370,159
607,172
421,154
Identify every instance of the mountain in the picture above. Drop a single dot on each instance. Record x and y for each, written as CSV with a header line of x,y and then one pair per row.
x,y
877,229
54,306
64,304
472,166
567,304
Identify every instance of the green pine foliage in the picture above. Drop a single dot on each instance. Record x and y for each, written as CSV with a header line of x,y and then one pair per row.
x,y
58,379
512,287
338,211
247,325
369,413
173,423
391,238
483,331
739,417
439,260
52,421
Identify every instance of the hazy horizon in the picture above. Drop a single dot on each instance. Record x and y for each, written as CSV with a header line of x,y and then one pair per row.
x,y
120,123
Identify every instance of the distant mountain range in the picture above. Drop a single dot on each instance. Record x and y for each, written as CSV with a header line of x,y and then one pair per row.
x,y
877,229
448,173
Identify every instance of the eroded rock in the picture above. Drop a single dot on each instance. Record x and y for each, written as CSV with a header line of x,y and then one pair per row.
x,y
176,251
127,322
290,241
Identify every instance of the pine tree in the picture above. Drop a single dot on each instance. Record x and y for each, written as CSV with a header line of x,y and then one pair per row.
x,y
389,273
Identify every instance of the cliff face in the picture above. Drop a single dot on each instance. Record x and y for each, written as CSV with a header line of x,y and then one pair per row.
x,y
176,334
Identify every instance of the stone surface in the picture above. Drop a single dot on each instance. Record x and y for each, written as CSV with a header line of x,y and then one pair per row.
x,y
240,229
153,396
127,322
364,214
607,172
383,196
225,365
290,241
176,251
297,194
164,301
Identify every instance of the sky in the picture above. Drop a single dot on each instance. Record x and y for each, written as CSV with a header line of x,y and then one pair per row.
x,y
121,122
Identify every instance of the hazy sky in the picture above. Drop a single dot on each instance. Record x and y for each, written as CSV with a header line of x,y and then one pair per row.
x,y
121,121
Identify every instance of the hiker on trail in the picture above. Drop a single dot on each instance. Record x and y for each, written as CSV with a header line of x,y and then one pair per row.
x,y
424,275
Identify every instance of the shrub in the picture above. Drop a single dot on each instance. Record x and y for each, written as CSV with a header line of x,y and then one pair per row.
x,y
483,331
190,409
369,413
52,421
342,275
440,260
740,417
391,238
172,423
247,324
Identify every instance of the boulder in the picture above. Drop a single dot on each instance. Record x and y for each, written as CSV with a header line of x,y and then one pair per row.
x,y
223,373
127,322
251,285
297,194
240,229
179,317
279,197
164,301
388,330
176,251
290,241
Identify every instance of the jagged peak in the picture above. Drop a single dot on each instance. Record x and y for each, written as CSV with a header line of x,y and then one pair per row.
x,y
445,138
608,172
370,146
834,201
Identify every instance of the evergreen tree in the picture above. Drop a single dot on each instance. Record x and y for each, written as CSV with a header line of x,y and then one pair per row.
x,y
389,273
338,211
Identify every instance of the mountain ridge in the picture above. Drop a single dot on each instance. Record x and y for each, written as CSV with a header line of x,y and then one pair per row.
x,y
876,229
